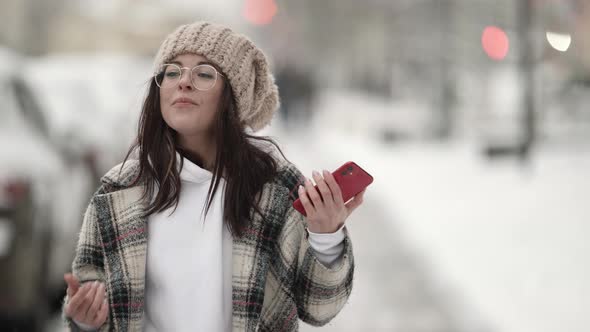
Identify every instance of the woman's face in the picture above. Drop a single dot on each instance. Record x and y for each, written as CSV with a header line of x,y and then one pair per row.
x,y
189,111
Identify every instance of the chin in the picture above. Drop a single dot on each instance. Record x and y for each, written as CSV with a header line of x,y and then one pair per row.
x,y
182,124
184,129
186,124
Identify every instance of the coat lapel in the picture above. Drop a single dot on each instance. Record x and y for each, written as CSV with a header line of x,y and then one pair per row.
x,y
123,232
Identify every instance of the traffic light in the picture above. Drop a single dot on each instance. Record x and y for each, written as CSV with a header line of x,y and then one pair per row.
x,y
259,12
495,42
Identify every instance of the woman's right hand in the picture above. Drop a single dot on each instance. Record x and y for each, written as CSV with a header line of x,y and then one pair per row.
x,y
87,304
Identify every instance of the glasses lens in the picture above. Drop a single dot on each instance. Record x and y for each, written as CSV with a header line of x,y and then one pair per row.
x,y
168,77
204,77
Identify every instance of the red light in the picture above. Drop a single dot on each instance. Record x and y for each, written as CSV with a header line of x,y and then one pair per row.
x,y
260,12
495,42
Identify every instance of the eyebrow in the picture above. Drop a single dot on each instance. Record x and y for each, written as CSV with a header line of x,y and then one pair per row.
x,y
200,63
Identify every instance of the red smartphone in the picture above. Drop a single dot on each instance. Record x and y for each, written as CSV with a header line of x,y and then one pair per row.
x,y
351,179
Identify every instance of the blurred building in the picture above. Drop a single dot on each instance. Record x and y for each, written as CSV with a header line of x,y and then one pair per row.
x,y
431,51
424,54
24,24
116,26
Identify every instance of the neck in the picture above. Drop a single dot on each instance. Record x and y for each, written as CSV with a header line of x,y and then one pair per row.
x,y
200,150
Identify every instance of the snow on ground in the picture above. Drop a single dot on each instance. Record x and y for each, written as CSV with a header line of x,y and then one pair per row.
x,y
510,241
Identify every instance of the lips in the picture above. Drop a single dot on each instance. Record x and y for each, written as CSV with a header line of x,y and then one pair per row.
x,y
184,101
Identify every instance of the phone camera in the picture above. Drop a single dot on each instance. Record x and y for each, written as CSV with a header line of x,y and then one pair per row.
x,y
347,171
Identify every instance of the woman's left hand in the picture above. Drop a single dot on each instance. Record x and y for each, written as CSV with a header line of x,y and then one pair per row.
x,y
326,213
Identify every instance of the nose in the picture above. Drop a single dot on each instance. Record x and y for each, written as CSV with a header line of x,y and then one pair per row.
x,y
185,81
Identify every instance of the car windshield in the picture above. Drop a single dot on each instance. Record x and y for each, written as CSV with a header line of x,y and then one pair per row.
x,y
29,107
12,118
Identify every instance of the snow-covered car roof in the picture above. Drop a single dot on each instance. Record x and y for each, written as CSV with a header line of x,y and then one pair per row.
x,y
24,152
78,89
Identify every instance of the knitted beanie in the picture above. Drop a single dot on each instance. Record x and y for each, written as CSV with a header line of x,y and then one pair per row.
x,y
241,62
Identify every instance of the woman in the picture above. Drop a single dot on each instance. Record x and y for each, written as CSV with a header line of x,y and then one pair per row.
x,y
199,233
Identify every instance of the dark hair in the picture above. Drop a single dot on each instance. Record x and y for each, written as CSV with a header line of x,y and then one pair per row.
x,y
244,166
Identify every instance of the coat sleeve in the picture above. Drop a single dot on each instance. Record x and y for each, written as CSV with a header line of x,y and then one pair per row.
x,y
320,291
88,264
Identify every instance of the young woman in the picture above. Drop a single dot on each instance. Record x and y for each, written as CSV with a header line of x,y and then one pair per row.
x,y
199,233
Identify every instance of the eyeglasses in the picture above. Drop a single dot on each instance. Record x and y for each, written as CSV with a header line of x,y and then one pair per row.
x,y
203,77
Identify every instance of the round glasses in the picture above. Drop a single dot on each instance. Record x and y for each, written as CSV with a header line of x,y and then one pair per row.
x,y
203,77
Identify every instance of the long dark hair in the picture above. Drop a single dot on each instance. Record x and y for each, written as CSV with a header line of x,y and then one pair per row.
x,y
244,166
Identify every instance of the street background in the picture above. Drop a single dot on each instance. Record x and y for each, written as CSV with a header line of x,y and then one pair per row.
x,y
472,117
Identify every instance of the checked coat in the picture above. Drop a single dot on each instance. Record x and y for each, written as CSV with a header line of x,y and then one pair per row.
x,y
276,278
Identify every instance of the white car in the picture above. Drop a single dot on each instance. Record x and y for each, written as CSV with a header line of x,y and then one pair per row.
x,y
42,197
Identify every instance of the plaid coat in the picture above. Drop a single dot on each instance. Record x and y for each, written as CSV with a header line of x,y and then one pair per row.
x,y
276,278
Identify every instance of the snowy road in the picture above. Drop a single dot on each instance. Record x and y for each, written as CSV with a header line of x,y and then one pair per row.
x,y
507,245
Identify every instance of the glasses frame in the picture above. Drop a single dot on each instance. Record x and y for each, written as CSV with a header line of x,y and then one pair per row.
x,y
217,74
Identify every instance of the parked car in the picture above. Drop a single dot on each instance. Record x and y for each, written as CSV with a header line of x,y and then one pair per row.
x,y
42,197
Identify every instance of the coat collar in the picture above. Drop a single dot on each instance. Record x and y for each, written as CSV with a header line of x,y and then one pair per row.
x,y
122,175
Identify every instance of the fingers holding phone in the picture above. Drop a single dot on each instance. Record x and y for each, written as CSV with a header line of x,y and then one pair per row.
x,y
330,181
333,198
341,190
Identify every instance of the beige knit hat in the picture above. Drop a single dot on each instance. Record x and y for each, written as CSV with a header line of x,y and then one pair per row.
x,y
244,65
